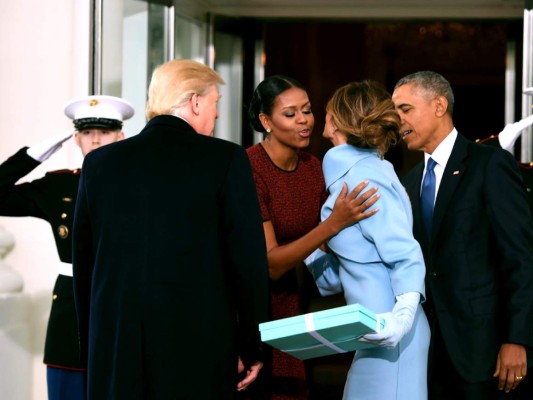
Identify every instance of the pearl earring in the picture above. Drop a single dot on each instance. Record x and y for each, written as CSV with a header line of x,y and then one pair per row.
x,y
268,130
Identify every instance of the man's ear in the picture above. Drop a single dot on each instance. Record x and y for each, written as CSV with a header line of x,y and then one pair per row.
x,y
77,138
441,106
194,104
120,135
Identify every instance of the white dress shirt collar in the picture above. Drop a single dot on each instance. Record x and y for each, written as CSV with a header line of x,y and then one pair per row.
x,y
443,151
441,156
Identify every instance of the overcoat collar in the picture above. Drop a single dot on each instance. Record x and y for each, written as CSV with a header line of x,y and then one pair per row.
x,y
340,159
170,121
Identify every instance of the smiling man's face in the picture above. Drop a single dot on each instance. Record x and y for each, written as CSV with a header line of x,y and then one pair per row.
x,y
418,113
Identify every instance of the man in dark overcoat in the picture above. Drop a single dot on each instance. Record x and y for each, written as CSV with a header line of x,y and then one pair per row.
x,y
170,272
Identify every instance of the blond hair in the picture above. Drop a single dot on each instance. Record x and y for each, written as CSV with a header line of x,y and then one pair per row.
x,y
365,113
175,82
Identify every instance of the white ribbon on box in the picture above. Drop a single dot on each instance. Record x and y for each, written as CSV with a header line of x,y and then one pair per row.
x,y
310,328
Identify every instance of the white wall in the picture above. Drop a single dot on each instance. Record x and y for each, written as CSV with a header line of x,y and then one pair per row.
x,y
44,63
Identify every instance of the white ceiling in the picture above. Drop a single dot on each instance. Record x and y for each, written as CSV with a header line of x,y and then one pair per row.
x,y
362,9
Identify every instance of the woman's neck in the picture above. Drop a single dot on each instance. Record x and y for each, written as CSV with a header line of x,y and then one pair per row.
x,y
282,156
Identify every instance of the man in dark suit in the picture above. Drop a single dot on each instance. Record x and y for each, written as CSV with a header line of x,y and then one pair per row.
x,y
170,273
478,248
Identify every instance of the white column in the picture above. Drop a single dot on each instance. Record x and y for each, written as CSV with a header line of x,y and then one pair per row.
x,y
16,366
45,60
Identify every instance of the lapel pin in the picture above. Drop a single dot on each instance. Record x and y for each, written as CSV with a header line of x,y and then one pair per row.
x,y
456,172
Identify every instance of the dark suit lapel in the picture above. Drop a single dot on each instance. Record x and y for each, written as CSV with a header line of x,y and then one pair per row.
x,y
451,177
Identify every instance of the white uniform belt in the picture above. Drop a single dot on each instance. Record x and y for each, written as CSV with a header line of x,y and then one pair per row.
x,y
65,269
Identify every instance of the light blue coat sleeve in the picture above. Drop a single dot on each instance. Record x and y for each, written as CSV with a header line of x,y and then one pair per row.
x,y
325,270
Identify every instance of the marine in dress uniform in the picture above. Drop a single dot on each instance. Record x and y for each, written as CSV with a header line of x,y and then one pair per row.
x,y
53,198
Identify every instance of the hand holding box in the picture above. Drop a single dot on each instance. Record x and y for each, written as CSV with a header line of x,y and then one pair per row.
x,y
322,333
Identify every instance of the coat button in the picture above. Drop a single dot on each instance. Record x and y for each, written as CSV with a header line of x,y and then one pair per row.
x,y
54,296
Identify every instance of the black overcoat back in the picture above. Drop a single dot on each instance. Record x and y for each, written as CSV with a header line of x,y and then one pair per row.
x,y
170,265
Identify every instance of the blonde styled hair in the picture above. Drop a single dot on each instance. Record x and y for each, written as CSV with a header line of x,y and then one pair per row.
x,y
175,82
365,113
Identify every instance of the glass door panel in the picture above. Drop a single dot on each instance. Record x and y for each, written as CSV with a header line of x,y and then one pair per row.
x,y
133,43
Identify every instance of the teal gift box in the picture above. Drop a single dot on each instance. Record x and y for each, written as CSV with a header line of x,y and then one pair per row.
x,y
321,333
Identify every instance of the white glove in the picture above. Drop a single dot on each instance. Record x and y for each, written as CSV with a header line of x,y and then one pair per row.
x,y
511,132
42,151
397,323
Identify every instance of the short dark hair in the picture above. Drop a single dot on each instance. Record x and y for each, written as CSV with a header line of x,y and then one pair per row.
x,y
432,83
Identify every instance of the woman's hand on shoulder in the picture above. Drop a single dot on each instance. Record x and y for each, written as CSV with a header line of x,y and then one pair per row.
x,y
352,207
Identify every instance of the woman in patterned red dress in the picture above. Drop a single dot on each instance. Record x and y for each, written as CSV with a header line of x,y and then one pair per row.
x,y
291,190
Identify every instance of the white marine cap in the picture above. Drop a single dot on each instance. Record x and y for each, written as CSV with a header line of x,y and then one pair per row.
x,y
99,112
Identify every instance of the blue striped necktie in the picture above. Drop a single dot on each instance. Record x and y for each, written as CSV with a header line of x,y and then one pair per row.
x,y
427,197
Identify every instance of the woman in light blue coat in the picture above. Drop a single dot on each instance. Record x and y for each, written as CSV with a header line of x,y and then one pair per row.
x,y
376,262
